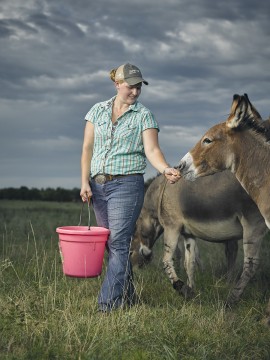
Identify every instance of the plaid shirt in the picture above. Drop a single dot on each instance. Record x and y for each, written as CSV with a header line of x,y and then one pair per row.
x,y
118,148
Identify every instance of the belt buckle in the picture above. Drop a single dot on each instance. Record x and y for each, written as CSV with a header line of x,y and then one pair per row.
x,y
100,179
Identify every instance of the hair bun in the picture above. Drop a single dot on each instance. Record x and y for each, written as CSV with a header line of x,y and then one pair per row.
x,y
112,74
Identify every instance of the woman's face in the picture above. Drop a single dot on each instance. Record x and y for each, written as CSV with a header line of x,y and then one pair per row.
x,y
128,94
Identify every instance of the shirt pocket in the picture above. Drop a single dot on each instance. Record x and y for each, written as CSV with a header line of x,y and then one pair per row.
x,y
101,128
128,132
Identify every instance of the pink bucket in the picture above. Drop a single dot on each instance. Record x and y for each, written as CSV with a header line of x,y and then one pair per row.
x,y
82,249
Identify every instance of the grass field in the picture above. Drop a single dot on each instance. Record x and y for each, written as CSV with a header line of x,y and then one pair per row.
x,y
46,315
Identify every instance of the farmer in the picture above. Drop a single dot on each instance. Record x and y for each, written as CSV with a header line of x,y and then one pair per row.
x,y
119,135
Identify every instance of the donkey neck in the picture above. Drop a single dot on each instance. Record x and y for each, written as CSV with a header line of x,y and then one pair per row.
x,y
252,166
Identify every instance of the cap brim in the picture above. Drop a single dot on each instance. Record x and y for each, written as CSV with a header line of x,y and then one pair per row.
x,y
136,80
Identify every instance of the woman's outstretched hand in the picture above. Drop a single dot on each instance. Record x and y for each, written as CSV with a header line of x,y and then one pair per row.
x,y
172,174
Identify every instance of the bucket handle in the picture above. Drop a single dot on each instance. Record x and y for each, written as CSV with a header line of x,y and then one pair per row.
x,y
89,215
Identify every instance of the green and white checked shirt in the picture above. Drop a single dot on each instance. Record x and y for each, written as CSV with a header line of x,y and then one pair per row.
x,y
118,148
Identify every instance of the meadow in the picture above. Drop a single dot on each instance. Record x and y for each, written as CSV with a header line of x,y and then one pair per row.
x,y
47,315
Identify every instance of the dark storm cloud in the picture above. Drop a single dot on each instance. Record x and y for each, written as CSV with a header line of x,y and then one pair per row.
x,y
56,55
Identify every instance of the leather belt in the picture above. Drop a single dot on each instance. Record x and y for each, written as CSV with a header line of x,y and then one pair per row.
x,y
103,178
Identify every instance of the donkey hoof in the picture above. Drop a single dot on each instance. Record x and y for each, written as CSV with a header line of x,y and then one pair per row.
x,y
228,305
187,292
183,289
178,285
230,302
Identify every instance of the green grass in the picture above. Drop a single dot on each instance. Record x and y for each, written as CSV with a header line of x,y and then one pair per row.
x,y
46,315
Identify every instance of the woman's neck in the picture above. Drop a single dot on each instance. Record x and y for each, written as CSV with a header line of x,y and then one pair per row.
x,y
118,109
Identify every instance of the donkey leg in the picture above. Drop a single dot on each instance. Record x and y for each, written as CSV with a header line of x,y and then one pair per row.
x,y
190,260
231,250
251,263
170,243
253,233
198,259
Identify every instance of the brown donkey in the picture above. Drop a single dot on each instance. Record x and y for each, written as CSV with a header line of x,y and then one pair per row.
x,y
240,144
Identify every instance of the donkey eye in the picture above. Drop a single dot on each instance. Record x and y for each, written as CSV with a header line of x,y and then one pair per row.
x,y
207,141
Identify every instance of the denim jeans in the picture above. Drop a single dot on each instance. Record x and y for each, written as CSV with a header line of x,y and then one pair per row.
x,y
117,205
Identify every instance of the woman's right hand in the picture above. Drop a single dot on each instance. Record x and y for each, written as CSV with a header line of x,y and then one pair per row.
x,y
86,192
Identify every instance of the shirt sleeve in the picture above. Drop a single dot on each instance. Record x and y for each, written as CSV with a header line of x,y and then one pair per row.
x,y
93,113
149,121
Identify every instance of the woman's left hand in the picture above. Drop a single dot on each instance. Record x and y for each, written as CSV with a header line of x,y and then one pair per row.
x,y
172,174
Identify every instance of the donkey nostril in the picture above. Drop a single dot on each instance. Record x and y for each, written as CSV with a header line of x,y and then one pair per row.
x,y
182,165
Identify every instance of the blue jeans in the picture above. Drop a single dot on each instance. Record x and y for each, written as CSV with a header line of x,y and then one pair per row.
x,y
117,205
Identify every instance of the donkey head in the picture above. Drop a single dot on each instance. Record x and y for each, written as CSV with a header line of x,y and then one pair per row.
x,y
213,153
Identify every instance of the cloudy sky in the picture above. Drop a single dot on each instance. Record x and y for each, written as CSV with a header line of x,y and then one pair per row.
x,y
55,59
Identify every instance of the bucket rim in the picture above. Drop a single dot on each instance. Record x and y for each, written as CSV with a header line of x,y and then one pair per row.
x,y
82,230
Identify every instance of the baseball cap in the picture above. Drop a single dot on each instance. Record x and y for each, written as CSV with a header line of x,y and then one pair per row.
x,y
130,74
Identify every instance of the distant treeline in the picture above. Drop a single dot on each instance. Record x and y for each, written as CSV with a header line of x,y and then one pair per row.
x,y
48,194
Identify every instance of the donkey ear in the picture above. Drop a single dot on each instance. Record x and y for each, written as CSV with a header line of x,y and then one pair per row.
x,y
252,110
239,109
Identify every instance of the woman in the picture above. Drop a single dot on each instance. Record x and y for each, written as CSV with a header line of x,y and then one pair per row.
x,y
120,134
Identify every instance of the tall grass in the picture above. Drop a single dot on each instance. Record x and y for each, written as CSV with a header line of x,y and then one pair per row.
x,y
46,315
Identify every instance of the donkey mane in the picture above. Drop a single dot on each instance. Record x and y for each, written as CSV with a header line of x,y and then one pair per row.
x,y
258,127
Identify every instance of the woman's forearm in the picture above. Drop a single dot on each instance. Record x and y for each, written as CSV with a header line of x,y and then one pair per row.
x,y
157,160
85,165
87,151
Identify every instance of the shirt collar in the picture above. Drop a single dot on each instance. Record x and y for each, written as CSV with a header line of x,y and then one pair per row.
x,y
109,103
